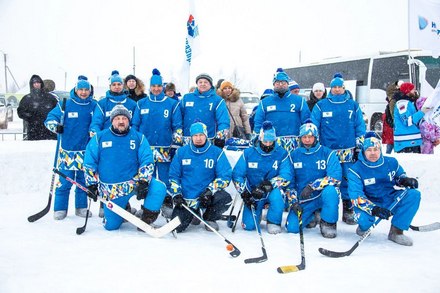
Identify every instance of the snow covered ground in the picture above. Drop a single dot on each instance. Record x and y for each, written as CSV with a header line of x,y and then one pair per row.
x,y
47,256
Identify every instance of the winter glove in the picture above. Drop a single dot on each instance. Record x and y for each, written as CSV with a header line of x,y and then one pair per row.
x,y
93,192
142,190
60,128
219,142
296,207
258,192
381,213
178,200
248,136
248,199
266,186
409,182
306,193
205,198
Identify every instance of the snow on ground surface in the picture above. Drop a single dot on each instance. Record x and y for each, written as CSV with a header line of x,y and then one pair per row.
x,y
47,256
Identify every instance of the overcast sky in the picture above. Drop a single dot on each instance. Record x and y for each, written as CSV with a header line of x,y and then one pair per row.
x,y
241,40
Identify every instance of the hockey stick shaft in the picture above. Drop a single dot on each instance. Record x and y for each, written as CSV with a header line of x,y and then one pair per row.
x,y
302,265
263,248
44,211
336,254
154,232
230,221
238,216
235,252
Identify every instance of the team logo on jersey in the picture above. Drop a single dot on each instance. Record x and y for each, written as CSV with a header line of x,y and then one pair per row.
x,y
252,165
72,115
369,181
189,104
107,114
107,144
186,162
271,108
298,165
145,111
327,114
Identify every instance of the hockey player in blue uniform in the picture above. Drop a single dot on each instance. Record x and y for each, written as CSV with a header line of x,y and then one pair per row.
x,y
199,174
372,180
260,173
341,128
206,106
119,164
116,95
159,118
286,111
316,177
74,136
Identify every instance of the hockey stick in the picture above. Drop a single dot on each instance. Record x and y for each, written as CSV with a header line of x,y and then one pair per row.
x,y
81,230
154,232
234,251
44,211
230,222
238,216
426,228
336,254
302,265
263,248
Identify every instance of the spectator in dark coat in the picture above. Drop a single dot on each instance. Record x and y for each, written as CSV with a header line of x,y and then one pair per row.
x,y
318,92
33,109
135,87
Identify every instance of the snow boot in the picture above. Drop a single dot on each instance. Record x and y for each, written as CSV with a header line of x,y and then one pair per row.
x,y
82,213
327,230
131,210
348,213
317,218
213,224
59,215
360,232
149,216
167,207
396,235
273,228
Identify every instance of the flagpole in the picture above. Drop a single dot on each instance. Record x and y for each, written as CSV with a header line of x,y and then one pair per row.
x,y
409,42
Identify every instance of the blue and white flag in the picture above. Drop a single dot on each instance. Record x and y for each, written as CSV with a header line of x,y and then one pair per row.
x,y
424,25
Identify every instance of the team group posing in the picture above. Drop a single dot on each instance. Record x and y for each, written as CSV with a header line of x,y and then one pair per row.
x,y
302,161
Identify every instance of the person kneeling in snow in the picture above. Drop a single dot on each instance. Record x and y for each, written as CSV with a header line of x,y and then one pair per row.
x,y
119,164
371,187
198,174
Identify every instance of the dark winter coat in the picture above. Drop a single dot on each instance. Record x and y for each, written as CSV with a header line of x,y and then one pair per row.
x,y
237,111
138,92
313,100
33,109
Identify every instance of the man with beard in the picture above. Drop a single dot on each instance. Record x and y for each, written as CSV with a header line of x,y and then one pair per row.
x,y
33,109
286,111
407,137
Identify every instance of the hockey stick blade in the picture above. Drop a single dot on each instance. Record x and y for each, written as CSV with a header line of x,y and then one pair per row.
x,y
40,214
262,258
235,252
228,218
336,254
426,228
292,269
82,229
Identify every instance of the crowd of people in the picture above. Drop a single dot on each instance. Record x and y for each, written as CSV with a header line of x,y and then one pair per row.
x,y
303,157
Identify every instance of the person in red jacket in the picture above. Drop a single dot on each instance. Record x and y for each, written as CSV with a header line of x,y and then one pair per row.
x,y
387,135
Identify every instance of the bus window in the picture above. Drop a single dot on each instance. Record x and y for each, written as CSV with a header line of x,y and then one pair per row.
x,y
388,70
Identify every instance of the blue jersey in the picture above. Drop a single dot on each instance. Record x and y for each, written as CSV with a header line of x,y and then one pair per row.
x,y
101,115
255,166
208,108
77,118
158,117
406,121
373,181
339,121
286,113
195,169
313,165
118,158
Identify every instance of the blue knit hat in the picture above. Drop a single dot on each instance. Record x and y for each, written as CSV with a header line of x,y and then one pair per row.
x,y
266,93
293,85
82,83
371,142
198,127
267,132
281,76
308,128
337,80
115,77
156,78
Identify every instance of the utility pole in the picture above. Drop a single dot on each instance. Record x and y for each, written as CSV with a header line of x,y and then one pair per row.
x,y
134,60
6,72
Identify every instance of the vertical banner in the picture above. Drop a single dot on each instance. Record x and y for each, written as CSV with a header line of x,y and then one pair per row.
x,y
424,25
192,44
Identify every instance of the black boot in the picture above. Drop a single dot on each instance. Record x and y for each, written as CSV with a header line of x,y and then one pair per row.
x,y
348,212
149,216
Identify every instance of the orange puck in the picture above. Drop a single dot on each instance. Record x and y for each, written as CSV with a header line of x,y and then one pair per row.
x,y
230,247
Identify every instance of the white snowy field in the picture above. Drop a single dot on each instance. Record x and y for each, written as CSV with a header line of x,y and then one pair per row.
x,y
47,256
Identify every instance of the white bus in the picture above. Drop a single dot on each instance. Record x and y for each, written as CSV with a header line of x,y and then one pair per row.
x,y
368,77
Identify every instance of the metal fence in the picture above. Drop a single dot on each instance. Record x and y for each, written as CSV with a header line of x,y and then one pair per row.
x,y
13,136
